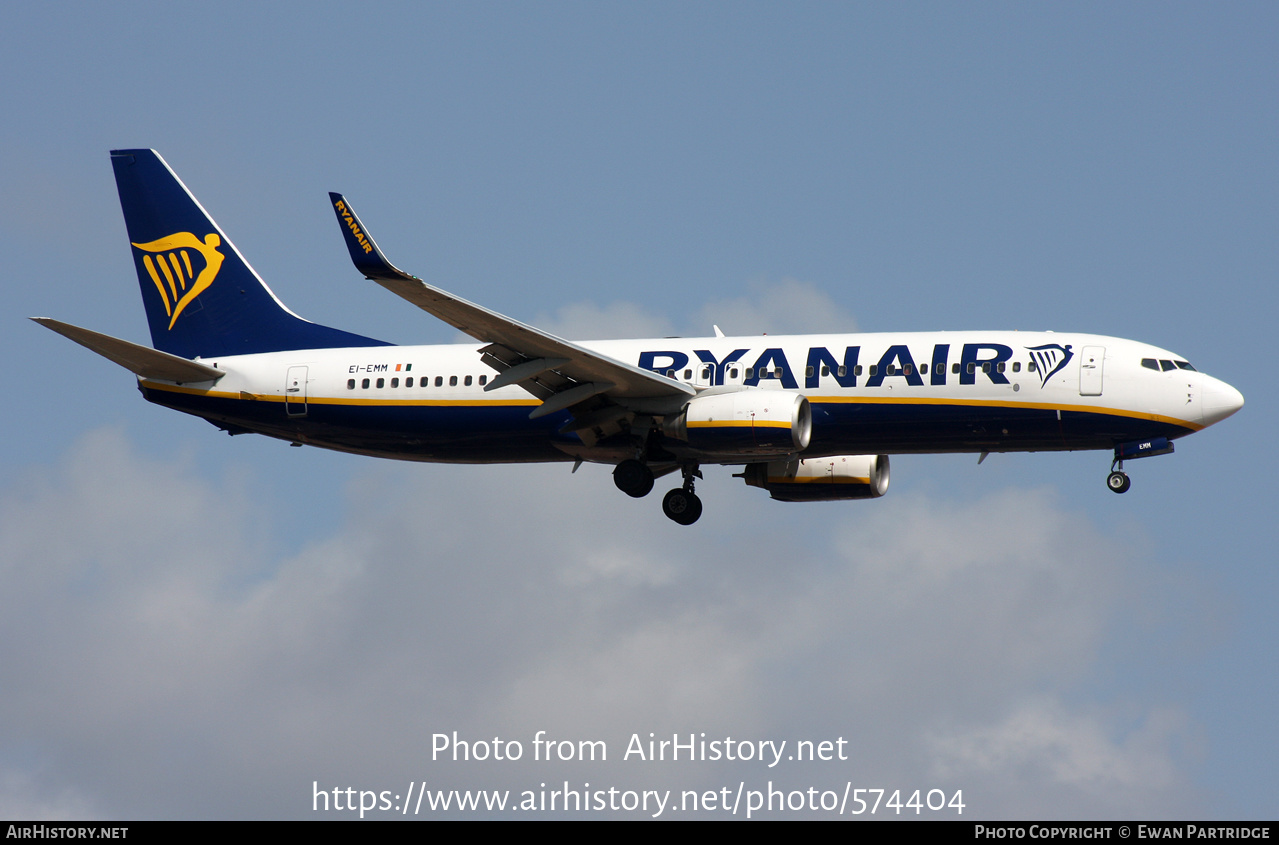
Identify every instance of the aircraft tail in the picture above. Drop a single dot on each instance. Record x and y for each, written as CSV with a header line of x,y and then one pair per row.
x,y
202,298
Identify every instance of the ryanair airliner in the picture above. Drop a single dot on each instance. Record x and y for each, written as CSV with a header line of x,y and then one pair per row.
x,y
805,417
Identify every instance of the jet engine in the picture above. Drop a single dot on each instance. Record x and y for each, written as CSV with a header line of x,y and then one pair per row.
x,y
744,422
821,479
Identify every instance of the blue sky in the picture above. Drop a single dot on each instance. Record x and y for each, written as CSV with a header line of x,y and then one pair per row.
x,y
195,625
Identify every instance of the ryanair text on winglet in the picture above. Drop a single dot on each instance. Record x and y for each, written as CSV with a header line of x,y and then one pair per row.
x,y
353,226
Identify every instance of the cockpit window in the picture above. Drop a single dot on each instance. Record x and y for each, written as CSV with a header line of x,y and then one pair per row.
x,y
1163,365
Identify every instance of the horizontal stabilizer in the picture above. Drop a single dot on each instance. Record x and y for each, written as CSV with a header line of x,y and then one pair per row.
x,y
140,360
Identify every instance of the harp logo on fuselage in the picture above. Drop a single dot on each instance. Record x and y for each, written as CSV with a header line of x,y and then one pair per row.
x,y
1050,359
168,261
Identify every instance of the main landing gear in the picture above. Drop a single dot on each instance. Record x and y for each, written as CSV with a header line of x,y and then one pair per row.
x,y
634,478
1118,480
682,504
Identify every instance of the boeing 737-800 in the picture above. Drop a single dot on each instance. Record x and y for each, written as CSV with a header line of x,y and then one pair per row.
x,y
805,417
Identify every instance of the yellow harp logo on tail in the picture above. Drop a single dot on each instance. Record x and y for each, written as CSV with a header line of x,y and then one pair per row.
x,y
168,262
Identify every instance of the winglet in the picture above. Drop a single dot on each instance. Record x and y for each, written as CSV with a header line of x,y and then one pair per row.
x,y
366,256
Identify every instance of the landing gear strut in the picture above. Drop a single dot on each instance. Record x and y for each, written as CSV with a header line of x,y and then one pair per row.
x,y
1118,480
682,504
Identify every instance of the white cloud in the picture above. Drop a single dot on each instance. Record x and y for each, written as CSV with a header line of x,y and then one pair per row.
x,y
162,660
22,798
589,321
1059,756
785,307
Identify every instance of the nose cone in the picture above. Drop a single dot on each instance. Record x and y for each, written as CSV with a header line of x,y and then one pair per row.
x,y
1220,400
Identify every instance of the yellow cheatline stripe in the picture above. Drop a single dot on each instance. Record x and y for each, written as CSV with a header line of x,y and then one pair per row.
x,y
738,424
781,479
329,400
844,400
1002,403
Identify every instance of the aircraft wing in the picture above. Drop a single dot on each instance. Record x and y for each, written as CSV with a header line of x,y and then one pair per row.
x,y
558,371
139,360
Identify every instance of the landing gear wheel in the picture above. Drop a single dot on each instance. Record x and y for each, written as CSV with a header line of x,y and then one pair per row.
x,y
1119,482
633,478
682,505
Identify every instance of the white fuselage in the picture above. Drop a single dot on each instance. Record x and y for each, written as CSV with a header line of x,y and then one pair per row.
x,y
870,393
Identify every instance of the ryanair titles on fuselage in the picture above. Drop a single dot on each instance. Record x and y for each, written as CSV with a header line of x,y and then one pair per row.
x,y
896,361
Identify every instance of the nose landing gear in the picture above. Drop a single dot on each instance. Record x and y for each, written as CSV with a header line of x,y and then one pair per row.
x,y
1118,480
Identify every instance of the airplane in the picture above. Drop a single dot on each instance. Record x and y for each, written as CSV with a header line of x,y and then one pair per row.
x,y
806,417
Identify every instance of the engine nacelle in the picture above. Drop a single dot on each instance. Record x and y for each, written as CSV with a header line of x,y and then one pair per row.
x,y
822,479
744,422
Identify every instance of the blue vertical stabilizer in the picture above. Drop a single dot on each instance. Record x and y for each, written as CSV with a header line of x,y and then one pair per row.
x,y
202,297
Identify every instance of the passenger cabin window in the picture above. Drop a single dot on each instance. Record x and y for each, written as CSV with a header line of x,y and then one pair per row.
x,y
452,381
1030,367
395,382
468,381
874,368
954,368
688,374
1016,366
843,371
381,383
350,384
439,381
408,382
484,380
364,384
